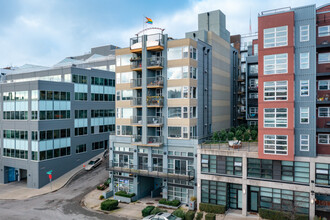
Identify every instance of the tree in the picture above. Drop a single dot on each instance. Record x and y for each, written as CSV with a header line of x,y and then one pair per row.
x,y
230,136
223,135
215,136
246,136
238,135
254,135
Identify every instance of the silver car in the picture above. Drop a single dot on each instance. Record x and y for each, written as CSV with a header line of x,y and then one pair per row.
x,y
93,164
162,216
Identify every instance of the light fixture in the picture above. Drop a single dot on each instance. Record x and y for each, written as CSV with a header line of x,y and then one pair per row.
x,y
244,191
312,201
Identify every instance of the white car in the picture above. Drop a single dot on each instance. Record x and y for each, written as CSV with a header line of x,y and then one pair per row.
x,y
93,164
162,216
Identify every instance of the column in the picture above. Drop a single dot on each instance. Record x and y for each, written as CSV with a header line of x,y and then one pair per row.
x,y
244,186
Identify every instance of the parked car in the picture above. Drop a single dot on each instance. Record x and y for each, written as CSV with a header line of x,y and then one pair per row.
x,y
93,164
162,216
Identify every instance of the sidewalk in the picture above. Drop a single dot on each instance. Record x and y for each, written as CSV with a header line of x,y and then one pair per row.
x,y
18,191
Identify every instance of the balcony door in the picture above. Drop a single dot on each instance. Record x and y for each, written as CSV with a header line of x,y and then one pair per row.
x,y
157,164
124,160
180,167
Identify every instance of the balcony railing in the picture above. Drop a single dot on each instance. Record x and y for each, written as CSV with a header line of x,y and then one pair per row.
x,y
323,100
137,138
157,81
136,64
157,101
136,101
137,120
253,116
253,88
153,171
155,61
136,83
154,140
154,120
153,41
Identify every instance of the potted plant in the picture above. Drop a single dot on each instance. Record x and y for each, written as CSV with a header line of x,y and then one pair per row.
x,y
326,98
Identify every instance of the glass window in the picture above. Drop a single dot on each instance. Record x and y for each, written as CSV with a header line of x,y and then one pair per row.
x,y
324,85
275,144
304,60
127,113
126,77
324,31
176,53
123,60
275,117
276,37
304,87
276,64
174,132
253,69
304,33
304,115
324,58
255,49
304,142
253,83
127,95
174,112
276,90
174,92
324,112
324,139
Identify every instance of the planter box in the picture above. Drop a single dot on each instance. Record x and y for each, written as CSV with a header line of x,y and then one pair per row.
x,y
168,206
125,199
107,194
192,205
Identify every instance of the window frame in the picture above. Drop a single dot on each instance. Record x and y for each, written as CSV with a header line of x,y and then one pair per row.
x,y
328,33
301,140
300,114
301,90
276,62
275,119
275,32
301,35
327,138
275,144
303,63
328,112
275,90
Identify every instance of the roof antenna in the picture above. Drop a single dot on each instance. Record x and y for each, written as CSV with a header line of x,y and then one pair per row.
x,y
250,23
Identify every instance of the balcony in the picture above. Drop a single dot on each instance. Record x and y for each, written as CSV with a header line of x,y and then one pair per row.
x,y
136,83
137,139
154,121
155,82
241,79
323,44
323,124
323,101
155,62
252,116
137,120
253,88
253,73
136,64
152,141
155,101
136,102
158,172
154,42
253,102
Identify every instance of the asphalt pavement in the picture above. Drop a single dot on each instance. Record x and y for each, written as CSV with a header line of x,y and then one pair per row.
x,y
62,204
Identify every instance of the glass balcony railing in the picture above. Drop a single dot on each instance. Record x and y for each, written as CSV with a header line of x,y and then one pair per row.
x,y
137,138
137,120
136,83
155,61
154,120
136,101
155,101
154,140
157,81
136,64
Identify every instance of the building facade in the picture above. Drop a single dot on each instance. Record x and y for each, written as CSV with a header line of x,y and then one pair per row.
x,y
166,105
288,169
53,119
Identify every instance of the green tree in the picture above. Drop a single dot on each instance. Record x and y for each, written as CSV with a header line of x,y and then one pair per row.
x,y
239,134
223,135
254,135
230,136
246,136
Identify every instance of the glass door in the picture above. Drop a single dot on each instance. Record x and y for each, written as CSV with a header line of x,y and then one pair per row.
x,y
180,167
239,199
157,164
143,162
254,202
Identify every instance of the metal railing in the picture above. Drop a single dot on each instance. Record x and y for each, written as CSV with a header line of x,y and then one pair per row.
x,y
246,146
155,81
143,170
137,138
135,40
275,11
252,88
155,61
137,120
154,120
136,82
136,101
136,64
156,37
154,139
155,101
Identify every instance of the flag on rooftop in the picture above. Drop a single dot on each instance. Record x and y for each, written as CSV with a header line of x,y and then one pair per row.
x,y
149,20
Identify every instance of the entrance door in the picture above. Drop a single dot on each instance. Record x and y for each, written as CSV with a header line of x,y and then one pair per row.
x,y
11,174
239,199
254,202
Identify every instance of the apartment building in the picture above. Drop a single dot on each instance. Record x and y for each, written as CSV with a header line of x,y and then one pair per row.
x,y
170,95
288,169
54,118
245,81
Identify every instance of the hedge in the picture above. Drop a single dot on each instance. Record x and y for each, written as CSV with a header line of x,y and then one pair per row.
x,y
217,209
125,194
170,203
157,210
210,216
179,213
199,215
280,215
147,210
190,215
109,204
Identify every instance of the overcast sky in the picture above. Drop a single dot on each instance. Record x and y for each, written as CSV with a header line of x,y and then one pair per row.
x,y
43,32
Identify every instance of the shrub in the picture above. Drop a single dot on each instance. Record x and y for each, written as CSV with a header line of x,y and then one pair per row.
x,y
301,217
215,136
193,198
101,187
242,128
254,135
101,197
190,215
210,216
232,129
230,136
217,209
280,215
107,182
179,213
156,210
147,210
199,216
125,194
239,134
170,203
109,204
246,136
223,135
